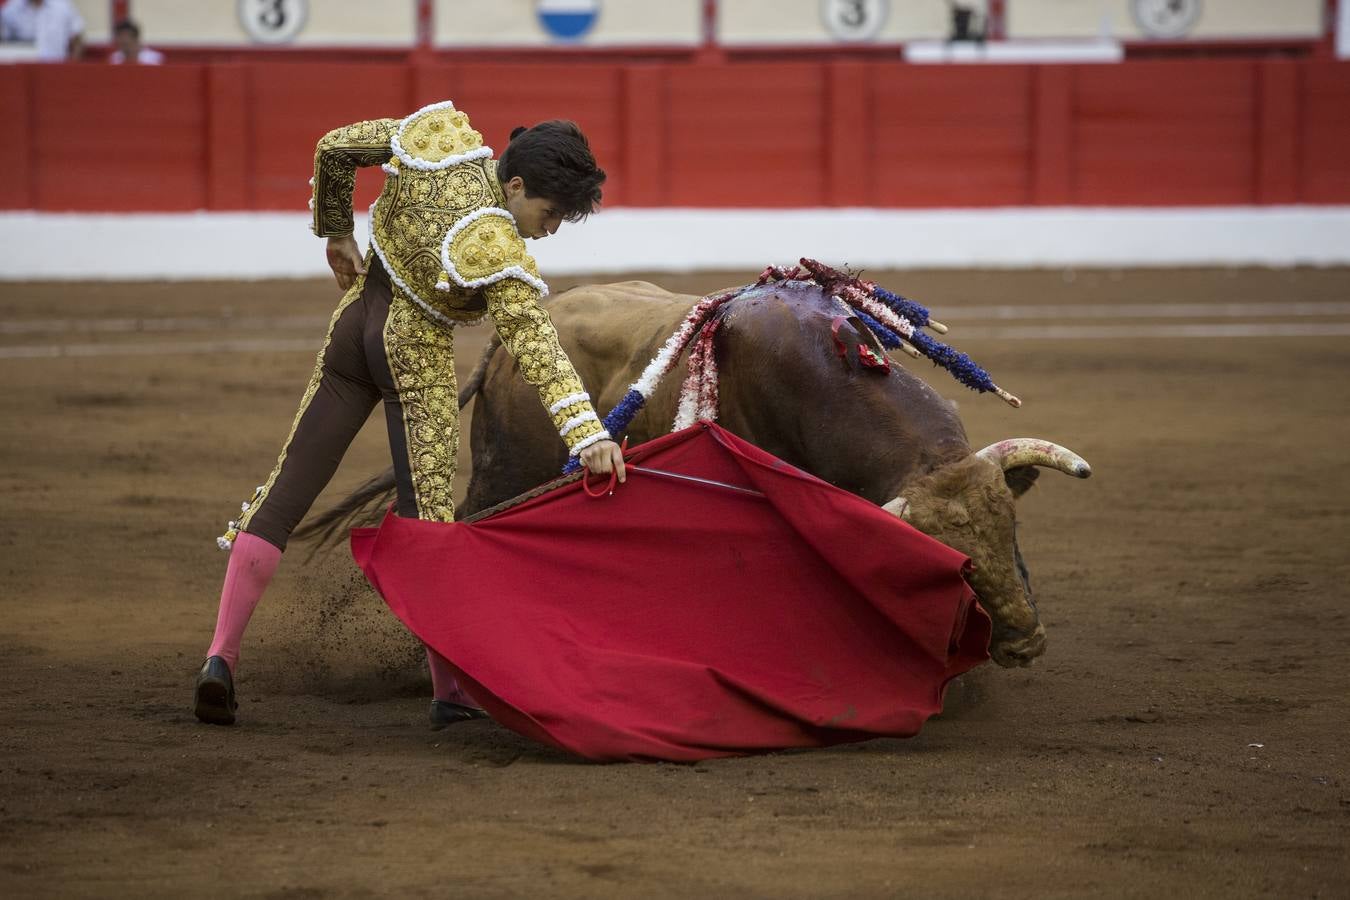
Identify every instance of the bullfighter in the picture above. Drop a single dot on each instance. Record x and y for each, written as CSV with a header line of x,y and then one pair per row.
x,y
447,249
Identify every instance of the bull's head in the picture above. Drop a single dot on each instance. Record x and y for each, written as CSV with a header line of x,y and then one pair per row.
x,y
969,506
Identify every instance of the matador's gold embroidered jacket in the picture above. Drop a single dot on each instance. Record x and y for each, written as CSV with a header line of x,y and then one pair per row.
x,y
442,231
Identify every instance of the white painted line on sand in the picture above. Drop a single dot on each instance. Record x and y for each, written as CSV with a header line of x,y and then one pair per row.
x,y
161,348
1143,311
1019,332
316,323
1086,332
163,324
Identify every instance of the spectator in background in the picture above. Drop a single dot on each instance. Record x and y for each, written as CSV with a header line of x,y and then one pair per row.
x,y
963,24
53,27
127,36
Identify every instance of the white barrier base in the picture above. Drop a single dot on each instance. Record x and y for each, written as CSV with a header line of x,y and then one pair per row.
x,y
41,246
1016,51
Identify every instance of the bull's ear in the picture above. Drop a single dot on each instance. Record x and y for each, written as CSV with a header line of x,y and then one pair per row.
x,y
1020,479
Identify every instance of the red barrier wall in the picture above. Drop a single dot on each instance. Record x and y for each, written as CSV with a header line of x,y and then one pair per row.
x,y
833,133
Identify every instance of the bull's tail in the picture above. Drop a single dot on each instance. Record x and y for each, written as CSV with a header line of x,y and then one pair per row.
x,y
363,505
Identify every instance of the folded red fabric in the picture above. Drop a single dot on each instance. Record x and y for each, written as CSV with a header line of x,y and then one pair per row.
x,y
676,619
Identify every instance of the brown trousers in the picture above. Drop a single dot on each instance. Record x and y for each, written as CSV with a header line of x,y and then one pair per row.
x,y
379,347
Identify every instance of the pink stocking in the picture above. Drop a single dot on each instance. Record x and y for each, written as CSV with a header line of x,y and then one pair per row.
x,y
444,685
252,562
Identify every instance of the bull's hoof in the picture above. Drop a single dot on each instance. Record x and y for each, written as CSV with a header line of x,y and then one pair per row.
x,y
1017,652
443,714
213,697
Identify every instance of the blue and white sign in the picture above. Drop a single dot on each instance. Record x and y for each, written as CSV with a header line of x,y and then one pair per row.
x,y
568,20
563,24
1343,31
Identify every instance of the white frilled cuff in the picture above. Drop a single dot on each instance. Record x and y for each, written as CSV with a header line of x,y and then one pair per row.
x,y
596,438
576,422
567,401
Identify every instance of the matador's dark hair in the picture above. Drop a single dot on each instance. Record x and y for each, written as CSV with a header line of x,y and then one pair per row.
x,y
554,160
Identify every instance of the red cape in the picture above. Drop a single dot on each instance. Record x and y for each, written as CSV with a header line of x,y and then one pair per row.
x,y
676,620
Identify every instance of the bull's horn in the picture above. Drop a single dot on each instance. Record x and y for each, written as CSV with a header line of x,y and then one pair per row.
x,y
899,507
1035,452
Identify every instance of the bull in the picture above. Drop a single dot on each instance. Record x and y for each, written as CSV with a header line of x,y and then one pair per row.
x,y
889,438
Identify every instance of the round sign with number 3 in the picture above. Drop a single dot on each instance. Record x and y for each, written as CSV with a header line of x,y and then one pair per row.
x,y
854,20
273,21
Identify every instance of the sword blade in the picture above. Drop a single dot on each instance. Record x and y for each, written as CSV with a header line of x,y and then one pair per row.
x,y
695,480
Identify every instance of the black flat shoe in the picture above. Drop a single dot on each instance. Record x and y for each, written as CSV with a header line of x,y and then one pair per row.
x,y
213,696
444,714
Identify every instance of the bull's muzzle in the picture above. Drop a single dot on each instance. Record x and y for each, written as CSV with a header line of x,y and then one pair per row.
x,y
1013,650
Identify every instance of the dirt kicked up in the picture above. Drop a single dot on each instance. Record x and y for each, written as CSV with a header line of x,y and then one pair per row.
x,y
1183,736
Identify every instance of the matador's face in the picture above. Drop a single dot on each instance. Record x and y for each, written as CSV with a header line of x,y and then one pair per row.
x,y
536,217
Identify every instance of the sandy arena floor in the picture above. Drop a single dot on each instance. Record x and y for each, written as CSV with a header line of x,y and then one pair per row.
x,y
1184,736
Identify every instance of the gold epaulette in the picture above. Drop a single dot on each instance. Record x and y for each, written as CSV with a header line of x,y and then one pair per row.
x,y
483,248
437,137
